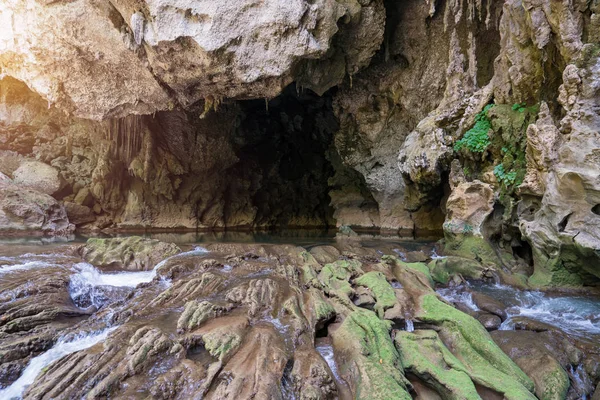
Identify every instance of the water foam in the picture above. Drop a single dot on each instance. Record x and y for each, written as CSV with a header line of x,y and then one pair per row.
x,y
573,314
87,282
326,351
458,295
62,348
25,266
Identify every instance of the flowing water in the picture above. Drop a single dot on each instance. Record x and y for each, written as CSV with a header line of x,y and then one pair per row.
x,y
95,292
37,364
578,315
574,314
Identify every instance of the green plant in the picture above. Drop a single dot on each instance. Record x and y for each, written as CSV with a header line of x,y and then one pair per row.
x,y
505,178
467,171
520,107
476,139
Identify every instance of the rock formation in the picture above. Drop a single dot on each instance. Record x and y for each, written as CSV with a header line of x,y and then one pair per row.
x,y
162,114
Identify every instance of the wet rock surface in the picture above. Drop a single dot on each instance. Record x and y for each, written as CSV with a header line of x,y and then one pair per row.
x,y
129,253
270,321
475,120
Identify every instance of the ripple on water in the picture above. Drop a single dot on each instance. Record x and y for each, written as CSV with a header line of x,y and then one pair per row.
x,y
25,266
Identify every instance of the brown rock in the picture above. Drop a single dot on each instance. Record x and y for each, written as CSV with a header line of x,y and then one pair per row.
x,y
489,304
84,197
25,210
79,214
491,322
38,176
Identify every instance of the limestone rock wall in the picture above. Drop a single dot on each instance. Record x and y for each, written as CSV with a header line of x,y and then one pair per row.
x,y
152,114
240,166
545,191
99,59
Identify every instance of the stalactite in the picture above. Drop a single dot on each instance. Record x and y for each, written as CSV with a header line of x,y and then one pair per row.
x,y
125,136
472,58
431,4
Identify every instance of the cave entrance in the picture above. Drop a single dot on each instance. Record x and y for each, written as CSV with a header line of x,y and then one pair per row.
x,y
283,147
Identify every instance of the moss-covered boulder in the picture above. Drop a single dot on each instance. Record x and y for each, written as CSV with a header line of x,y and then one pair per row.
x,y
130,253
442,269
335,277
381,289
468,340
424,355
368,360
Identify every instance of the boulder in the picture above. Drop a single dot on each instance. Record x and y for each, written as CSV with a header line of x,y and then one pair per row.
x,y
79,214
28,211
38,176
489,321
489,304
529,350
467,208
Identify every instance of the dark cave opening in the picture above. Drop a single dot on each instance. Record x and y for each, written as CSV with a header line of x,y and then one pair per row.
x,y
283,147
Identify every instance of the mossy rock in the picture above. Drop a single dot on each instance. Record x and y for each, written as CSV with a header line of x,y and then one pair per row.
x,y
418,267
442,269
471,247
573,266
485,362
130,253
424,355
370,362
335,277
382,290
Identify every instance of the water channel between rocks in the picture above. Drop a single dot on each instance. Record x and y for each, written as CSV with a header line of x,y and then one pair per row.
x,y
234,320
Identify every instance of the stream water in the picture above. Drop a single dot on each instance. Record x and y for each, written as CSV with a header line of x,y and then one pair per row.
x,y
573,314
21,263
62,348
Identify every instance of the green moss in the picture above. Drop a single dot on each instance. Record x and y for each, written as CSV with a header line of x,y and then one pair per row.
x,y
444,268
419,267
324,311
571,265
509,143
335,277
555,384
221,343
468,246
485,362
373,361
423,354
382,290
309,276
476,139
195,314
124,252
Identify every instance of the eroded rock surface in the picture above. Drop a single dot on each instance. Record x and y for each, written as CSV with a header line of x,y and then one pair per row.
x,y
270,321
27,211
140,58
168,114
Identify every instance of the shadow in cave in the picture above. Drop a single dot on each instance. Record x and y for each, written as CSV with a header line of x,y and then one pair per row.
x,y
283,149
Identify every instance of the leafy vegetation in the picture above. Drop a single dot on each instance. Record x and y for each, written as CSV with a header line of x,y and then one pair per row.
x,y
506,178
476,139
519,107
